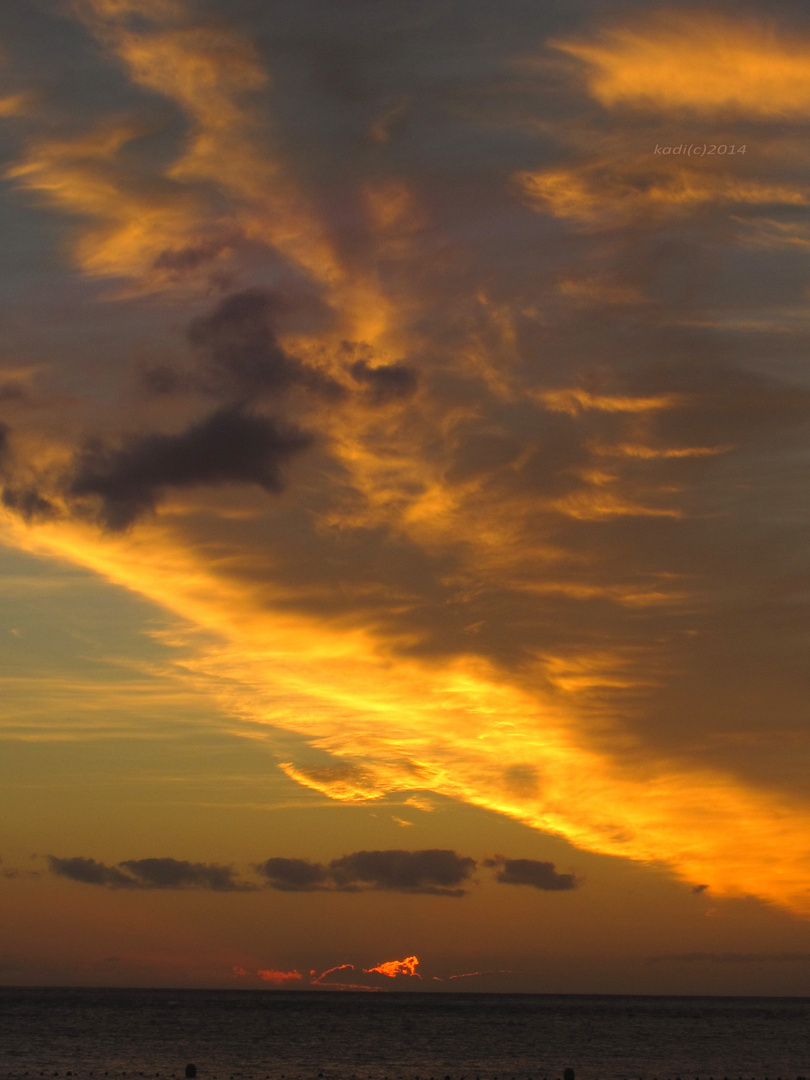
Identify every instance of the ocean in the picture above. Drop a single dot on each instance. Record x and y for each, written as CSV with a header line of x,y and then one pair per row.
x,y
81,1034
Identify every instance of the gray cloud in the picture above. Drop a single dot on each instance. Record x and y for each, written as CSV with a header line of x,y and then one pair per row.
x,y
432,872
436,872
239,353
229,446
28,503
540,875
388,382
162,873
90,872
293,875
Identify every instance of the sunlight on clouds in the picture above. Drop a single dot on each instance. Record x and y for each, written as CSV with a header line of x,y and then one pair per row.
x,y
700,62
13,105
455,727
576,400
610,193
169,230
526,740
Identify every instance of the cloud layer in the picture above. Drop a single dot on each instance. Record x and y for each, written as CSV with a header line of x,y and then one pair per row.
x,y
469,429
432,872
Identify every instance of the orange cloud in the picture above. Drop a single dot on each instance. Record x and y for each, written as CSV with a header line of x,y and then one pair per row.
x,y
698,61
392,968
575,400
611,191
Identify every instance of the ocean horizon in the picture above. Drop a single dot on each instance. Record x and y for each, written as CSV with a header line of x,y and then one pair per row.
x,y
87,1033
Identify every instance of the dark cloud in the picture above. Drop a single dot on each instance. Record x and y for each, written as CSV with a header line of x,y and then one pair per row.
x,y
435,872
700,888
90,872
540,875
239,353
28,503
150,874
4,442
735,958
293,875
229,446
178,874
192,256
389,382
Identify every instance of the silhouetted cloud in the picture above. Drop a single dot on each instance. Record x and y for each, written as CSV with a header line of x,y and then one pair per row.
x,y
28,503
163,873
239,352
179,874
389,382
436,872
229,446
293,875
540,875
431,872
90,872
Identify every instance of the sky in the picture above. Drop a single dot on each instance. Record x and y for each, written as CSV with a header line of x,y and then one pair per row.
x,y
404,443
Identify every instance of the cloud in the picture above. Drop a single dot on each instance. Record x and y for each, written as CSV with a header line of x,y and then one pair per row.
x,y
698,62
387,382
240,353
90,872
433,872
229,446
179,874
293,875
540,875
343,781
164,873
28,503
538,584
392,968
278,978
612,194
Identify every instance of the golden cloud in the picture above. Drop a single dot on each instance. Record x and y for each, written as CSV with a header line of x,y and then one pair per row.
x,y
698,62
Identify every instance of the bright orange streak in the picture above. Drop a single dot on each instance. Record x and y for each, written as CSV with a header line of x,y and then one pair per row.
x,y
392,968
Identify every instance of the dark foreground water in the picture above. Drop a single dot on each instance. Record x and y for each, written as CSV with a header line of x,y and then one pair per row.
x,y
253,1035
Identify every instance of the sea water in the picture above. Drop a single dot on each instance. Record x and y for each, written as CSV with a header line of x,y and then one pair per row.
x,y
86,1034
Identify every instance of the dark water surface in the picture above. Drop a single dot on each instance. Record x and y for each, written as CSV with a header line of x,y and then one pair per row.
x,y
250,1035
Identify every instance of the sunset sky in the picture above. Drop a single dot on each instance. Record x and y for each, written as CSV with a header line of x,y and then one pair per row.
x,y
404,445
